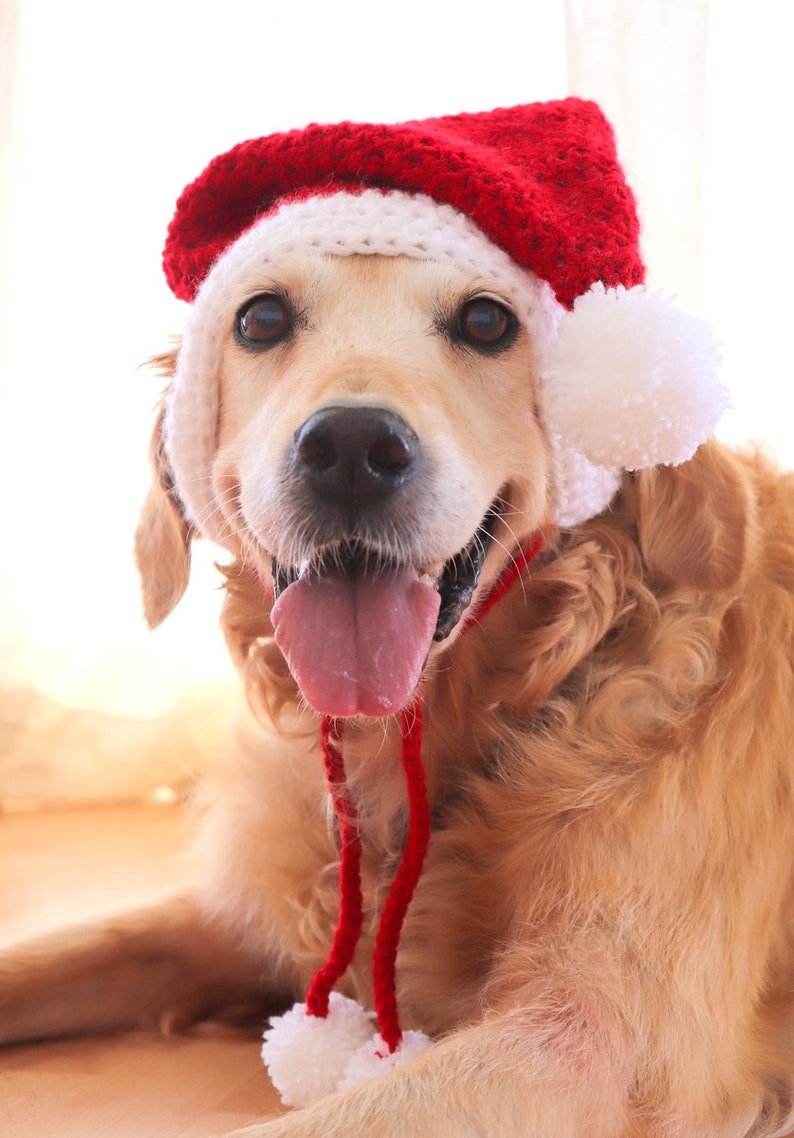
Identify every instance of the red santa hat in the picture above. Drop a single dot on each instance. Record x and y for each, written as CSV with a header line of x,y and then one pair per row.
x,y
532,197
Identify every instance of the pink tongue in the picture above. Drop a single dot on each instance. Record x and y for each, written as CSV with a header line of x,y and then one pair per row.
x,y
356,641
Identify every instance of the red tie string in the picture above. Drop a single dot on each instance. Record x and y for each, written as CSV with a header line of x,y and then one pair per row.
x,y
351,910
348,929
404,884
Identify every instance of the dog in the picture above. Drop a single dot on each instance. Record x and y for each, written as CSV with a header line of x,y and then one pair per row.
x,y
601,939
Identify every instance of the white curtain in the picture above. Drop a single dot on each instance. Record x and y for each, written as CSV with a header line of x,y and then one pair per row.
x,y
107,112
645,63
701,93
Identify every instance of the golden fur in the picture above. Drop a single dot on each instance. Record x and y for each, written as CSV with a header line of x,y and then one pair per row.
x,y
603,935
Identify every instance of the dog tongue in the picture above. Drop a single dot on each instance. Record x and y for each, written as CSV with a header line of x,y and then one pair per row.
x,y
356,640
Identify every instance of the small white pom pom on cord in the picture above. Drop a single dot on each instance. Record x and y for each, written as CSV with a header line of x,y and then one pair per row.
x,y
309,1057
328,1043
632,380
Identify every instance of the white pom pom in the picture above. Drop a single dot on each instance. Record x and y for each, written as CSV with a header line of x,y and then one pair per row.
x,y
307,1056
374,1058
632,380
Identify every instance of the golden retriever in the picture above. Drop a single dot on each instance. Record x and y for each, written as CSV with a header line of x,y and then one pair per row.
x,y
602,939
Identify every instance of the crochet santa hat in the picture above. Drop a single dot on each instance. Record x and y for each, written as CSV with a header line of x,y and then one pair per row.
x,y
532,199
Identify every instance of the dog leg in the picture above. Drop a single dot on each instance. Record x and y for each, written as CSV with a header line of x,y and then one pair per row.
x,y
168,965
503,1077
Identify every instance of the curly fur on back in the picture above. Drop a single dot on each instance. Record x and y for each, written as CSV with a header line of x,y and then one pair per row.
x,y
610,764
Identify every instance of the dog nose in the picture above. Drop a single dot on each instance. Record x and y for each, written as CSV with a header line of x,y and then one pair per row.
x,y
355,454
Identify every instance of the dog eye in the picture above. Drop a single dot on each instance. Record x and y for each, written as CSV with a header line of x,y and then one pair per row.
x,y
484,323
264,320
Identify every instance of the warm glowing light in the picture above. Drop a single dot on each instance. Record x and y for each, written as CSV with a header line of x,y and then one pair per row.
x,y
101,142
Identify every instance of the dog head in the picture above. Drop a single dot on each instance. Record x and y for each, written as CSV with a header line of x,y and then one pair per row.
x,y
380,392
378,449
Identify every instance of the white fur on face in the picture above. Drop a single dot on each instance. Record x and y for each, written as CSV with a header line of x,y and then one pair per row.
x,y
371,331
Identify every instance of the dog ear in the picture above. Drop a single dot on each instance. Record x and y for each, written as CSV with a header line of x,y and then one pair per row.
x,y
162,539
694,520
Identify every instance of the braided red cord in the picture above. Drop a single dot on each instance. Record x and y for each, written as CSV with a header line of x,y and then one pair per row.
x,y
404,884
348,929
351,909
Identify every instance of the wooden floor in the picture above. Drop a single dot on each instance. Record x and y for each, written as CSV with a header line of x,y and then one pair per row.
x,y
60,866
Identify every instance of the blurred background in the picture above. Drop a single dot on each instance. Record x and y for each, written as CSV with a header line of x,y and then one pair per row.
x,y
107,111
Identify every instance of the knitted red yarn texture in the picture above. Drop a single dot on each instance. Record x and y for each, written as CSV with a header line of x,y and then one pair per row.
x,y
351,914
542,181
348,929
384,963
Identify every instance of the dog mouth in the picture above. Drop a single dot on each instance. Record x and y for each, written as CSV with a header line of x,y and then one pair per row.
x,y
356,629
